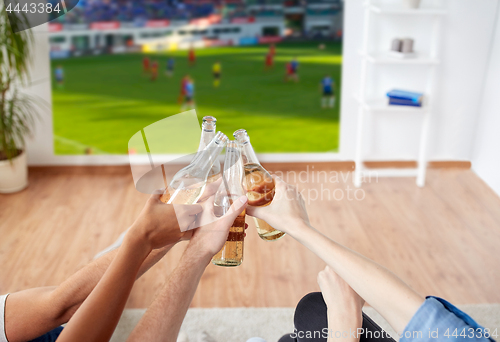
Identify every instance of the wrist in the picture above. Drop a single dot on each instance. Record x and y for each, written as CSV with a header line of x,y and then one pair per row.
x,y
301,230
198,254
344,320
137,239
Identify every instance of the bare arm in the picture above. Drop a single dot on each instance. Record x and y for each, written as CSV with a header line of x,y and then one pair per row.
x,y
378,286
163,319
98,316
34,312
156,227
344,307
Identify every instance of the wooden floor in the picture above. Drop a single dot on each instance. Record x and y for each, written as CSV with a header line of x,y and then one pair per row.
x,y
443,239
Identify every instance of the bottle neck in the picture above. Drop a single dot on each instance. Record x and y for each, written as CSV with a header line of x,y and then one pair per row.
x,y
205,159
248,154
207,134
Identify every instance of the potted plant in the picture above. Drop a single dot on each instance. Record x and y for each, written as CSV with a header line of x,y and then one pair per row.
x,y
17,112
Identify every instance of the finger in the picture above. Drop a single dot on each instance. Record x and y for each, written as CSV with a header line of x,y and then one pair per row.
x,y
236,208
246,225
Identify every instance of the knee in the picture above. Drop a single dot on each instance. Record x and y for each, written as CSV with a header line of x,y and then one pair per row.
x,y
312,305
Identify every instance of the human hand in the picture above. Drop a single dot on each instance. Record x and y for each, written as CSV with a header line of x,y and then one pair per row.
x,y
287,211
344,305
161,224
212,233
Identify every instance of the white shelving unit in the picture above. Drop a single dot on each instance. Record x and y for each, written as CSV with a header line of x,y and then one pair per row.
x,y
379,105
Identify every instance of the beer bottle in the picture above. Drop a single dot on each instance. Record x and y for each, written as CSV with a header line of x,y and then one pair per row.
x,y
230,190
207,134
259,185
188,184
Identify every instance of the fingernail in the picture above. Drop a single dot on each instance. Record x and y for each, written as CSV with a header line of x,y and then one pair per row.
x,y
243,199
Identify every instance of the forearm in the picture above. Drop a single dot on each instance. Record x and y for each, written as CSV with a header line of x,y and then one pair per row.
x,y
97,317
343,328
383,290
163,319
71,293
31,313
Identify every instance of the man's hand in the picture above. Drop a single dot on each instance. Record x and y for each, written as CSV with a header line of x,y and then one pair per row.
x,y
212,233
344,305
161,224
287,212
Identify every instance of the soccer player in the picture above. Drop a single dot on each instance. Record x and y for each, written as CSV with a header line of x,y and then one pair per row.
x,y
170,67
289,71
145,64
216,69
154,71
326,86
272,49
295,69
191,57
189,94
59,75
182,93
269,61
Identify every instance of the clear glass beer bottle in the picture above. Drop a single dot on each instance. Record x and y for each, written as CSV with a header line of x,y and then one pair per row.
x,y
189,183
259,185
230,190
208,127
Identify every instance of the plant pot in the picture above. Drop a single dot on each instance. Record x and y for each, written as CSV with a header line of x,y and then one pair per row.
x,y
14,174
411,3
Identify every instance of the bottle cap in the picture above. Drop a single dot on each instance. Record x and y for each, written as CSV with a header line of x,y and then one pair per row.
x,y
209,122
241,136
220,138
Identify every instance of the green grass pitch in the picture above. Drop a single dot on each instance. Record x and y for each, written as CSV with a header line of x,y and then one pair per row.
x,y
106,99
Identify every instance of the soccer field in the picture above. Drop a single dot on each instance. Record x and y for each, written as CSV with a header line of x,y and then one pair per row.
x,y
106,99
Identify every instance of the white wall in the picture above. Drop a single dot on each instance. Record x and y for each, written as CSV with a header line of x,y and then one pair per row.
x,y
486,158
466,39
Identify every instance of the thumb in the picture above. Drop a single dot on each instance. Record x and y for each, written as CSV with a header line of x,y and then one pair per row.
x,y
236,208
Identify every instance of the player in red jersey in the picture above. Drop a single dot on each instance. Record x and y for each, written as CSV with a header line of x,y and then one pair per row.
x,y
269,60
145,64
182,93
154,71
191,57
272,49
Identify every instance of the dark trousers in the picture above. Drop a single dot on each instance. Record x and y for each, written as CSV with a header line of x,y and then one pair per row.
x,y
311,323
51,336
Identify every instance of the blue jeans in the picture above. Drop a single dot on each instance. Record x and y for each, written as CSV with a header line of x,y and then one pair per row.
x,y
51,336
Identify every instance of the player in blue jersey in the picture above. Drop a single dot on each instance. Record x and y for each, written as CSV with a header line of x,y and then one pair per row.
x,y
170,67
59,76
294,64
327,89
188,94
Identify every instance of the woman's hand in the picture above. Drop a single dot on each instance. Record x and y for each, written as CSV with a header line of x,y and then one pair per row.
x,y
161,224
212,233
344,305
287,211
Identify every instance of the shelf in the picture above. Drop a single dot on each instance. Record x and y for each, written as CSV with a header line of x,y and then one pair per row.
x,y
381,105
386,58
406,11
